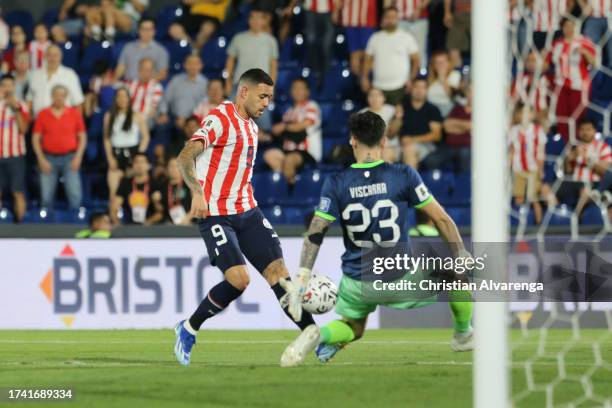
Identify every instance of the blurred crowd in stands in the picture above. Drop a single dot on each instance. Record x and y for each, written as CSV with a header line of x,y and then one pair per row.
x,y
100,96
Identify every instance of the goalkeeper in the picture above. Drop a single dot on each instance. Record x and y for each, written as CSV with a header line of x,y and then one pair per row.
x,y
370,200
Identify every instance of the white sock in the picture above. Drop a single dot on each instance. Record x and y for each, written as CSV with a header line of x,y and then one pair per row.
x,y
188,327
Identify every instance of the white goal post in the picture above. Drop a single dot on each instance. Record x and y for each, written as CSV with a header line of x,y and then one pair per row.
x,y
489,192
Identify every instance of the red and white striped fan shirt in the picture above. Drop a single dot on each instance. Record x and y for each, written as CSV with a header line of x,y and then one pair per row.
x,y
37,52
225,167
146,96
528,144
358,13
547,14
596,151
12,142
319,6
409,9
530,91
308,110
571,68
601,8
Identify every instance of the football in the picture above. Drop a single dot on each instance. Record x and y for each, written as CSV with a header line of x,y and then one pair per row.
x,y
320,296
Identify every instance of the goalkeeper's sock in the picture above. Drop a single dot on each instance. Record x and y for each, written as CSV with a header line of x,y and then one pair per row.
x,y
218,298
307,319
462,307
336,332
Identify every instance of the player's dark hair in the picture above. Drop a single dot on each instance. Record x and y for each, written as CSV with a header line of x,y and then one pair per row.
x,y
95,217
256,76
367,127
587,121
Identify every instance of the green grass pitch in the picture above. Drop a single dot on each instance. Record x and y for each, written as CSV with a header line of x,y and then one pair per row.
x,y
387,368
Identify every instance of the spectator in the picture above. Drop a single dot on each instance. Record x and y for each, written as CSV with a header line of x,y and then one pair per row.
x,y
58,35
393,56
532,90
252,49
71,16
125,134
146,91
45,79
458,129
319,35
545,18
122,15
359,18
571,56
299,134
144,47
38,46
596,25
15,119
185,91
176,196
414,18
192,124
527,141
102,77
202,18
59,141
4,34
422,125
214,96
457,18
22,74
138,197
587,161
19,44
444,82
392,118
100,227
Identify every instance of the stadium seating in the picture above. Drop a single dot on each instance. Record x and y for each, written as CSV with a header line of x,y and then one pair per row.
x,y
21,18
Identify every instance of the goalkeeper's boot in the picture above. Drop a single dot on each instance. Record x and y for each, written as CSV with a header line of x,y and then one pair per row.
x,y
326,352
463,341
296,352
184,344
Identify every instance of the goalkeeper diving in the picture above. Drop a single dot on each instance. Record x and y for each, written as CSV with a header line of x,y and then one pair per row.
x,y
370,200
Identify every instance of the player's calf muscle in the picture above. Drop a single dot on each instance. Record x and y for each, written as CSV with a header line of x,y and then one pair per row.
x,y
275,271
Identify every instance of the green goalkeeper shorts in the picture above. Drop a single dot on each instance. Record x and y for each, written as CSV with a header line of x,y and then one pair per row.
x,y
355,299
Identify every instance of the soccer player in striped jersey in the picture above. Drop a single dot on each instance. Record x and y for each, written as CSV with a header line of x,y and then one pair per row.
x,y
371,199
217,166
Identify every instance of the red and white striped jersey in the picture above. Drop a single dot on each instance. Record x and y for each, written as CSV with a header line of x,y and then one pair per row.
x,y
308,110
532,92
12,142
37,52
409,9
358,13
528,144
596,151
546,14
145,95
319,6
601,8
225,167
203,109
571,68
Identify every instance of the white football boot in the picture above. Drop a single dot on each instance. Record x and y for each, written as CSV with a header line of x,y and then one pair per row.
x,y
463,341
304,344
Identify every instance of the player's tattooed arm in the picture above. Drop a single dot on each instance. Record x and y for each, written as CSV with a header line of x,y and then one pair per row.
x,y
186,163
314,238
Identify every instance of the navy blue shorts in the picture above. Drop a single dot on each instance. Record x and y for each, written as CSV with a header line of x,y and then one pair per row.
x,y
357,37
228,237
12,174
